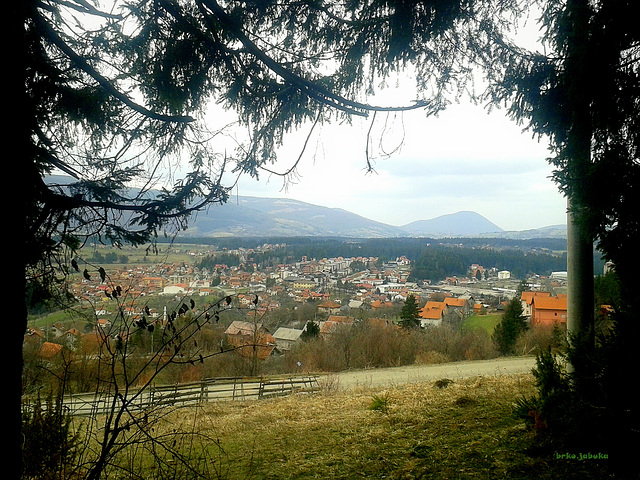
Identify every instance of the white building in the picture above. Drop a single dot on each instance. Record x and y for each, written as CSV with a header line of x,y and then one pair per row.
x,y
559,275
175,289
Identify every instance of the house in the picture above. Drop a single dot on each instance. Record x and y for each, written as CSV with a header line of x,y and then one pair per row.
x,y
479,308
329,307
299,283
382,323
355,303
250,339
239,328
549,310
103,322
48,351
175,289
526,299
335,323
262,348
456,305
72,338
285,338
381,304
34,335
432,314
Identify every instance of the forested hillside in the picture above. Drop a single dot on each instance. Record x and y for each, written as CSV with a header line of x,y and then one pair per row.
x,y
431,259
439,261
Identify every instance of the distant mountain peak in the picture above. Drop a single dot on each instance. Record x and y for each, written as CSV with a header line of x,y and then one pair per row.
x,y
464,223
246,216
261,216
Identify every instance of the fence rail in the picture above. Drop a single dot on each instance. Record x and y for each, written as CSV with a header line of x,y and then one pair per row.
x,y
215,389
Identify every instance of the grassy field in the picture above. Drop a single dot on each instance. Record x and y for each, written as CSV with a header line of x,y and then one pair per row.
x,y
165,253
465,430
486,322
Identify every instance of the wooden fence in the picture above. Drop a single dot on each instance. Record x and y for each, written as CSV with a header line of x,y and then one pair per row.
x,y
189,394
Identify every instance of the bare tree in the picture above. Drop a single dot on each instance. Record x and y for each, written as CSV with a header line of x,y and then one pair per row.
x,y
131,426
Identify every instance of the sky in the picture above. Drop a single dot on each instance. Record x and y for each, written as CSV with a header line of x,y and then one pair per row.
x,y
464,159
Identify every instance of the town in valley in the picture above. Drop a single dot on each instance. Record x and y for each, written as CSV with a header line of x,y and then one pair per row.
x,y
282,300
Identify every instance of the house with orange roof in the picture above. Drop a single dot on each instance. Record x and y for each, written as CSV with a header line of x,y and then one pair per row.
x,y
48,351
478,308
381,304
526,299
34,335
549,310
454,304
263,346
432,314
382,323
250,339
335,323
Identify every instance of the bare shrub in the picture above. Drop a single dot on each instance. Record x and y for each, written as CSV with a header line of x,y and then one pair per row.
x,y
371,346
328,383
375,347
455,344
541,338
431,357
478,345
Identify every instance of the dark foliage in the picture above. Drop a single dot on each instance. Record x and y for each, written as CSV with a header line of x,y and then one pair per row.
x,y
590,408
311,331
512,325
49,443
410,313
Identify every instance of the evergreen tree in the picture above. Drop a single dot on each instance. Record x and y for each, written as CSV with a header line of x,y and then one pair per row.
x,y
311,331
410,313
512,325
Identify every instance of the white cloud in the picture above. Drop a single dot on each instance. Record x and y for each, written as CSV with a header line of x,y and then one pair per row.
x,y
465,159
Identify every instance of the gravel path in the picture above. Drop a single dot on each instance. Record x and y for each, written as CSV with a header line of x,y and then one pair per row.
x,y
426,373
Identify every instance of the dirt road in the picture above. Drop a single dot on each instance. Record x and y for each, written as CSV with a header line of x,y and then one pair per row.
x,y
426,373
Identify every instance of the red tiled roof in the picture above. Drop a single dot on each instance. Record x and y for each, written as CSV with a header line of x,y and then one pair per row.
x,y
529,296
49,350
329,304
432,310
550,303
455,302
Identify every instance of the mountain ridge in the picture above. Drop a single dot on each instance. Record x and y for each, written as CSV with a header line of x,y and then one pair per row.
x,y
266,216
249,216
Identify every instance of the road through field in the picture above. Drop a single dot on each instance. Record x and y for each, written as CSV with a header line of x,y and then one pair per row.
x,y
432,372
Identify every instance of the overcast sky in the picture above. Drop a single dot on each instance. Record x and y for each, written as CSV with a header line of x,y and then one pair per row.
x,y
464,159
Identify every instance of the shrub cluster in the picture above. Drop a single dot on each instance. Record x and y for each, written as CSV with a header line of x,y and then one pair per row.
x,y
366,346
49,446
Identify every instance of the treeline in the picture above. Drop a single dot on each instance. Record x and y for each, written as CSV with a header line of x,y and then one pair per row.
x,y
439,261
432,259
385,248
109,257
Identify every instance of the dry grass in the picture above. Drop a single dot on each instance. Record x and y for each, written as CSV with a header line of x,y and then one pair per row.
x,y
463,429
